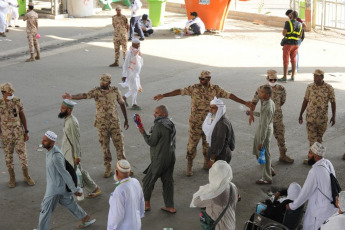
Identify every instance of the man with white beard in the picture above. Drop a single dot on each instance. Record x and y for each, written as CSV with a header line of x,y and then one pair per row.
x,y
219,133
316,189
131,73
127,200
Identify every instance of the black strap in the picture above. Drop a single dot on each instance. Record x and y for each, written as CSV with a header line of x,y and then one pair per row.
x,y
227,206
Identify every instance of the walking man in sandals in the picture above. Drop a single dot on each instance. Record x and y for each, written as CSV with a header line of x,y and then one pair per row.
x,y
71,146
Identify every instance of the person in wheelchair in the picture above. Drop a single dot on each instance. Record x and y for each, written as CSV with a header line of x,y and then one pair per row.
x,y
275,210
337,220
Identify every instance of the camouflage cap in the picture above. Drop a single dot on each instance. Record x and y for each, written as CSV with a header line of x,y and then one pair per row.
x,y
118,7
105,78
205,73
7,87
272,74
319,72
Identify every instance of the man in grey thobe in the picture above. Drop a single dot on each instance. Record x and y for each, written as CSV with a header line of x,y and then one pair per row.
x,y
162,151
264,132
71,146
57,179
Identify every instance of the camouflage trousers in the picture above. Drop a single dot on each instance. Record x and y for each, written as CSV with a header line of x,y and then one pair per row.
x,y
117,44
279,134
315,132
18,144
33,42
114,132
195,133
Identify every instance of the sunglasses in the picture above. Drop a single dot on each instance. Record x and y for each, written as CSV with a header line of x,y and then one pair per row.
x,y
3,92
204,78
272,80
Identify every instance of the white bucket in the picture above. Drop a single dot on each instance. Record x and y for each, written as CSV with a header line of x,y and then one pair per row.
x,y
80,8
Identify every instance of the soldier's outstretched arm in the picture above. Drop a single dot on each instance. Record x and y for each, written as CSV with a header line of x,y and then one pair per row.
x,y
249,104
170,94
124,112
74,97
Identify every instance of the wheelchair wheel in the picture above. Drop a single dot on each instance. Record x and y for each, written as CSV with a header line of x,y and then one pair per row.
x,y
274,226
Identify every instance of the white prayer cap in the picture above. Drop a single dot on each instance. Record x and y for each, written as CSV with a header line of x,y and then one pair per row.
x,y
216,101
318,149
51,135
341,200
69,103
135,41
123,166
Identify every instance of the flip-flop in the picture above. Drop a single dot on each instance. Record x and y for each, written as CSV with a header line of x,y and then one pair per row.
x,y
93,194
261,181
167,210
86,223
136,107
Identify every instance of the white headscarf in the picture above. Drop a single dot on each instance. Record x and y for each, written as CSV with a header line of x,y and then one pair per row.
x,y
220,176
292,192
208,124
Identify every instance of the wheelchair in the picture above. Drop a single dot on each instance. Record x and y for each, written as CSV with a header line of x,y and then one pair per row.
x,y
292,221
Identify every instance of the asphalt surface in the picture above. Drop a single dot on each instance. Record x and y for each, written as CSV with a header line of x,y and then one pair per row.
x,y
238,60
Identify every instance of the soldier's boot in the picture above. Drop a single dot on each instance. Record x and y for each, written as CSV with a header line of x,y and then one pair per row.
x,y
38,56
108,171
31,59
189,171
286,159
12,182
206,161
116,63
27,177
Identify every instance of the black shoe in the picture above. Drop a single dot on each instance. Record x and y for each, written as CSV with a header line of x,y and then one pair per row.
x,y
141,39
129,39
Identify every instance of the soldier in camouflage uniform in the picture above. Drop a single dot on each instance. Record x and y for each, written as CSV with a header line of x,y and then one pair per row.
x,y
107,119
278,97
31,18
13,133
202,94
120,24
316,99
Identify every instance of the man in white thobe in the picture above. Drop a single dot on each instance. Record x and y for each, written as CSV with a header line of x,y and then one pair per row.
x,y
71,146
4,7
127,201
337,220
131,73
134,22
14,14
316,189
57,180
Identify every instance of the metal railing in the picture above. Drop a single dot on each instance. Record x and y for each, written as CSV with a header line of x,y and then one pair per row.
x,y
331,14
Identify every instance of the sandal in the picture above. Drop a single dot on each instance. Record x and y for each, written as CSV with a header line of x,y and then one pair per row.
x,y
282,79
86,223
261,181
136,108
169,210
94,194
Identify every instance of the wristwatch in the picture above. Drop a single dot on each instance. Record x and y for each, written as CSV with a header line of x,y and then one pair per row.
x,y
26,131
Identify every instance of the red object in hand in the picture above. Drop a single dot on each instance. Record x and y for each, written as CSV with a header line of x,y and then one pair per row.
x,y
137,120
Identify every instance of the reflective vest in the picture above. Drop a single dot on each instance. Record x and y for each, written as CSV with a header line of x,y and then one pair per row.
x,y
293,35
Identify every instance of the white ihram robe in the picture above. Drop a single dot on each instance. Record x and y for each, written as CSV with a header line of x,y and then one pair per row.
x,y
319,207
4,7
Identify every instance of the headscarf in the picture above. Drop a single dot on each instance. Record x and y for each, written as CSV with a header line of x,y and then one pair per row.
x,y
292,192
208,125
135,55
220,176
341,200
318,149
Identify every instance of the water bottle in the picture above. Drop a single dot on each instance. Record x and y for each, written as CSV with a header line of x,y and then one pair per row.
x,y
202,218
262,159
80,183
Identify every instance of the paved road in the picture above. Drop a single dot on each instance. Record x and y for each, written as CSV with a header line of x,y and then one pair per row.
x,y
238,60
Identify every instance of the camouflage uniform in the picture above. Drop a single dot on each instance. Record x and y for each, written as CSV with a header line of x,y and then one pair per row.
x,y
278,97
120,35
201,97
107,121
31,18
12,137
317,110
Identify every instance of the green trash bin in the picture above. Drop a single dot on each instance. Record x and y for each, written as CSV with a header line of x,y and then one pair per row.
x,y
22,7
126,3
302,10
156,11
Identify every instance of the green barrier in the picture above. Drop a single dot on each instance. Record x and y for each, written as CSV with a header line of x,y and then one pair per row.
x,y
107,3
302,10
22,7
156,11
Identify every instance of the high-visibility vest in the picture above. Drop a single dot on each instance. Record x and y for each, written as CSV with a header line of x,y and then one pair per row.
x,y
293,35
